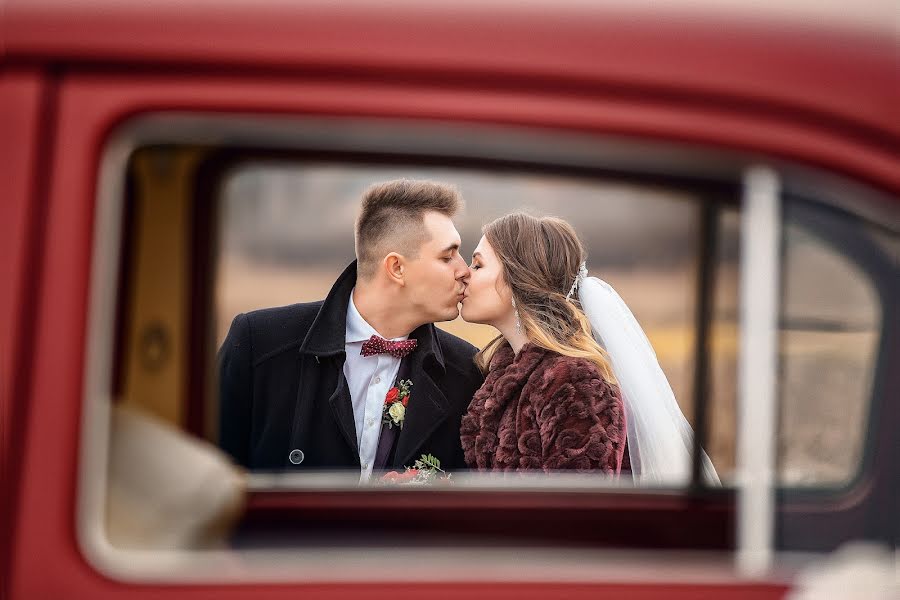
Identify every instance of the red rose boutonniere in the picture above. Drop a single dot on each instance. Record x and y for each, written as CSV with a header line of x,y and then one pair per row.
x,y
394,410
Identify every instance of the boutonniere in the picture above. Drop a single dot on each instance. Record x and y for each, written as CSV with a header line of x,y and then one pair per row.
x,y
394,410
426,469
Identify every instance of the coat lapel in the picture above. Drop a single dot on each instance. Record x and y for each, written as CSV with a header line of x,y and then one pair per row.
x,y
387,440
328,333
323,348
428,406
342,409
427,409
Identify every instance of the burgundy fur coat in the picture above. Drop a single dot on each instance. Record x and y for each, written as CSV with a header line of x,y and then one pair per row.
x,y
542,410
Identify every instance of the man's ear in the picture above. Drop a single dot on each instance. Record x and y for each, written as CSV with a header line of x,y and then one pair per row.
x,y
393,267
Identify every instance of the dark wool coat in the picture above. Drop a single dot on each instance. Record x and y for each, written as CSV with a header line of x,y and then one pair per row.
x,y
542,410
283,393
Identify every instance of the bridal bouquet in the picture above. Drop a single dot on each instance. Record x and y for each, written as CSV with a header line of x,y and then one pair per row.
x,y
427,469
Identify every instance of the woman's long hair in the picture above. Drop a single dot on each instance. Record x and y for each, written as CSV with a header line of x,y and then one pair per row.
x,y
541,258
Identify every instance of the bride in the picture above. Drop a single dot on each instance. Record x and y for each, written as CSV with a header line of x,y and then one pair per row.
x,y
571,382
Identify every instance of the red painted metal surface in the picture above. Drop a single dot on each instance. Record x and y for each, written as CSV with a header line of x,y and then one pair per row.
x,y
747,87
21,93
89,108
20,102
827,68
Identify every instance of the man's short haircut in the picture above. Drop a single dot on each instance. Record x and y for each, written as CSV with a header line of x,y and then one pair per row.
x,y
392,219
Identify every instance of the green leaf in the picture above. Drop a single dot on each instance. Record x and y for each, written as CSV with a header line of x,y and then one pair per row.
x,y
429,461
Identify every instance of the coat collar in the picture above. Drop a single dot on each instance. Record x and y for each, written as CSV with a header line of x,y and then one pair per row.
x,y
525,361
327,335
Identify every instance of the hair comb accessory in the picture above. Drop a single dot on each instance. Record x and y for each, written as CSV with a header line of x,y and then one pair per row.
x,y
582,273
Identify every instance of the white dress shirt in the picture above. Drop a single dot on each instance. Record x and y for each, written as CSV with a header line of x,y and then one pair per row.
x,y
369,378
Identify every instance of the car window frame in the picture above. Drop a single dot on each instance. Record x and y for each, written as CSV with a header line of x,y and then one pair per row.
x,y
696,504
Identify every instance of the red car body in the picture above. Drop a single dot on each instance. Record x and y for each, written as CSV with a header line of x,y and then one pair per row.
x,y
815,92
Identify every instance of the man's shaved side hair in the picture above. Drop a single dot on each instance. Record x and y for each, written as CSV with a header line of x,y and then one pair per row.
x,y
392,219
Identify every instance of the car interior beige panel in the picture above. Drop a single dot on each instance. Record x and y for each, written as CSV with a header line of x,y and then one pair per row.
x,y
159,283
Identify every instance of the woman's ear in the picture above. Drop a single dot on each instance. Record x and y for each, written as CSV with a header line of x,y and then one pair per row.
x,y
393,267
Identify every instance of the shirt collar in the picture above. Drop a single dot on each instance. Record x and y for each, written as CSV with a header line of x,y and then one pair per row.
x,y
358,329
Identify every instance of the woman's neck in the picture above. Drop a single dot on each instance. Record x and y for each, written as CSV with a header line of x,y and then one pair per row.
x,y
515,337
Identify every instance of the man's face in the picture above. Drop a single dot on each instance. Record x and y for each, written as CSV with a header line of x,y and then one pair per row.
x,y
434,280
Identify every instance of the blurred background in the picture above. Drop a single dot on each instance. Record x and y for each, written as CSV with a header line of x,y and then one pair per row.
x,y
287,232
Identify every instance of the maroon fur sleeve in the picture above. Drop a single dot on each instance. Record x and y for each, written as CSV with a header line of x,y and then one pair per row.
x,y
580,417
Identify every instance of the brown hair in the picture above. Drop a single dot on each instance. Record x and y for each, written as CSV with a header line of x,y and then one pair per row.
x,y
391,219
541,258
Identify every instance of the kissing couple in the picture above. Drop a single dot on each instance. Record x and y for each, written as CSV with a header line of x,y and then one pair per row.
x,y
363,380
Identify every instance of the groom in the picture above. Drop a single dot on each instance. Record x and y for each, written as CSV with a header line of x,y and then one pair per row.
x,y
305,386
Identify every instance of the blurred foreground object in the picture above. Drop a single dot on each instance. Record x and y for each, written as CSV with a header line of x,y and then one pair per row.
x,y
856,571
167,489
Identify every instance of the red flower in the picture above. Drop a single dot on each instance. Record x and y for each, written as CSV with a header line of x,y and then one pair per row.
x,y
391,395
395,477
405,401
410,473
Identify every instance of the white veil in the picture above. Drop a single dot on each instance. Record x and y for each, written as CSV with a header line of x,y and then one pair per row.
x,y
660,440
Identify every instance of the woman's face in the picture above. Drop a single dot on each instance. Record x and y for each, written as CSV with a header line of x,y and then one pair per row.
x,y
487,298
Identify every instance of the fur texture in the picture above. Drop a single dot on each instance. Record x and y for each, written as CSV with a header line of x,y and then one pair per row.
x,y
541,410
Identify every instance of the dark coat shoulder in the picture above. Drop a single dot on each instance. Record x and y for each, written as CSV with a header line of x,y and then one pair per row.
x,y
459,357
269,331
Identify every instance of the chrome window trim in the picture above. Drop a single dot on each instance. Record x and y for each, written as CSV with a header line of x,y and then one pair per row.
x,y
307,565
757,369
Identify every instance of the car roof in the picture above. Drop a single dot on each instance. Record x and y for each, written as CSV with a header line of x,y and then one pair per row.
x,y
808,57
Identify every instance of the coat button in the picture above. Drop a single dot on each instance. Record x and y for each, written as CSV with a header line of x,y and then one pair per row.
x,y
296,457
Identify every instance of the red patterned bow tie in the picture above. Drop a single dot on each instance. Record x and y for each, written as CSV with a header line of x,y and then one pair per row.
x,y
378,345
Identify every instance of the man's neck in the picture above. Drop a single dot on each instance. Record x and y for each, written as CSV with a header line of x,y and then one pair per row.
x,y
379,311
